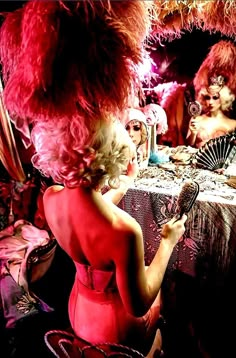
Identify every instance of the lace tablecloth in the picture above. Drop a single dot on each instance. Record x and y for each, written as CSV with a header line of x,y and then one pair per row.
x,y
202,269
211,223
212,185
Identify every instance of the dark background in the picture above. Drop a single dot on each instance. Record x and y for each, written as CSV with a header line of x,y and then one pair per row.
x,y
181,58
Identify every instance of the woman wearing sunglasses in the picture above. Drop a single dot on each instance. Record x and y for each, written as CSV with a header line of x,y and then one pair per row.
x,y
135,124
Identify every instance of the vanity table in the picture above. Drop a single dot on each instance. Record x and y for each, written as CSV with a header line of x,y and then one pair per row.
x,y
198,289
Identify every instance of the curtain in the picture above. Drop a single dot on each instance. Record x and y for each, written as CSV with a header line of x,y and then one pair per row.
x,y
9,155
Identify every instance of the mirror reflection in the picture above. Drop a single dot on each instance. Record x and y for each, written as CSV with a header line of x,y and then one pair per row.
x,y
214,121
137,131
177,63
136,126
197,90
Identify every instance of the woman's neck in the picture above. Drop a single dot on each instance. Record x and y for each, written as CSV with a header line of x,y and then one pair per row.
x,y
216,114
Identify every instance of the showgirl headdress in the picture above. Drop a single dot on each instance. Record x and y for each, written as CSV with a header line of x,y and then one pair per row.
x,y
71,58
218,81
132,114
218,68
136,114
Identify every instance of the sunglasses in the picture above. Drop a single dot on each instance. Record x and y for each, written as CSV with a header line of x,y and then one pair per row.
x,y
215,97
135,127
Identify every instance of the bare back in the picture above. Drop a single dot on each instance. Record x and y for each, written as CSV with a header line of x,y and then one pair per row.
x,y
104,238
84,224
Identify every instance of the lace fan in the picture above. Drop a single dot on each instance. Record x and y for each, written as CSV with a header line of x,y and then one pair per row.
x,y
217,152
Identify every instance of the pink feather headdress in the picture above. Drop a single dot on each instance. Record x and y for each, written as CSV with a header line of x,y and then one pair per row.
x,y
218,67
71,58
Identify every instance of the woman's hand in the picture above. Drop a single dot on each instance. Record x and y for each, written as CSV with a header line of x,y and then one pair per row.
x,y
174,229
194,125
131,173
193,130
126,180
133,168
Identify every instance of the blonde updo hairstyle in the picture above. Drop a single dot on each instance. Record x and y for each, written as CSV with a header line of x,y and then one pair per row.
x,y
226,96
144,132
73,155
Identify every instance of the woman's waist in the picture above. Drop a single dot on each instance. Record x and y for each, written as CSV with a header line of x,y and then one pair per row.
x,y
90,293
96,279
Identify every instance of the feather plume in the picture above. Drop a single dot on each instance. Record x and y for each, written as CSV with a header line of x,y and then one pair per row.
x,y
72,58
10,35
221,60
172,17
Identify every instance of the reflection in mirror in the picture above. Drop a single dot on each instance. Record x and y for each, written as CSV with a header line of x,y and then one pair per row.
x,y
135,124
137,131
214,88
177,61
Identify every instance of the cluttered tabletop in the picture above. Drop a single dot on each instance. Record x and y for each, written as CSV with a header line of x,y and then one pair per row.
x,y
176,165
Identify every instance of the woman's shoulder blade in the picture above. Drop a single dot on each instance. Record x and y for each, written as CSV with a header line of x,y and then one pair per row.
x,y
128,224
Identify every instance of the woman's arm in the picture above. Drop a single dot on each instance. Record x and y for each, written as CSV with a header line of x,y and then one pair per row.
x,y
138,286
192,131
115,195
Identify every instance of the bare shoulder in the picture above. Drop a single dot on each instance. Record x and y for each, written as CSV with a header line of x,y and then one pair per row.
x,y
126,223
203,117
49,192
52,203
231,121
129,239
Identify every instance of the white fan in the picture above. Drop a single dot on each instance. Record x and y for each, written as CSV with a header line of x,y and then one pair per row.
x,y
217,152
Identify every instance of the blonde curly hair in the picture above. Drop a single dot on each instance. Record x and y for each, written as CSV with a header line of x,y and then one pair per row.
x,y
226,96
74,156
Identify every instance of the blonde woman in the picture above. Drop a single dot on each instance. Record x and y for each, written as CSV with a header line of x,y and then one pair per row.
x,y
136,126
61,83
114,297
216,101
215,87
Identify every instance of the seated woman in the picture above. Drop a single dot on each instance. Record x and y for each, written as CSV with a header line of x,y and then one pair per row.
x,y
135,124
214,85
214,122
114,297
79,144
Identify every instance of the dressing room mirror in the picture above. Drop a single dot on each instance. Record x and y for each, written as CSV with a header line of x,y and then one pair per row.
x,y
183,33
177,63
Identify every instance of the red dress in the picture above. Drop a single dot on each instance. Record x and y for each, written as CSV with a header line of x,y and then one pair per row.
x,y
97,313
